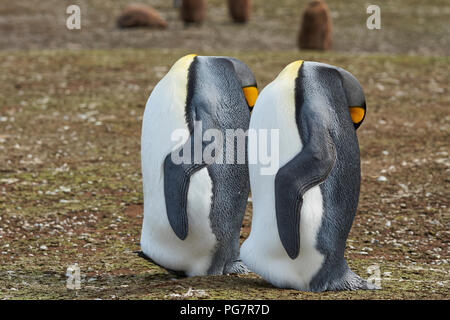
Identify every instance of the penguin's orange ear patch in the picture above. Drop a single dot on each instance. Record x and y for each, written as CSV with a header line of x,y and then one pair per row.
x,y
251,94
357,114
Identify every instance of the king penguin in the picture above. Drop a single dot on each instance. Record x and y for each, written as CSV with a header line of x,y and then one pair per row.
x,y
302,213
193,210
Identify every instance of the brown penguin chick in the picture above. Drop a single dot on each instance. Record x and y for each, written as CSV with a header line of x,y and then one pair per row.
x,y
140,16
193,11
315,30
240,10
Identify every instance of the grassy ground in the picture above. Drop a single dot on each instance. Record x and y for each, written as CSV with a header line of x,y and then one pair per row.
x,y
70,183
413,26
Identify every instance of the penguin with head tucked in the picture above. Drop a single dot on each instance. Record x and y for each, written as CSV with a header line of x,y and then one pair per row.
x,y
303,213
193,210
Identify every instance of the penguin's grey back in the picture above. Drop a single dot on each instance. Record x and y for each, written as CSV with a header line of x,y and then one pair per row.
x,y
218,101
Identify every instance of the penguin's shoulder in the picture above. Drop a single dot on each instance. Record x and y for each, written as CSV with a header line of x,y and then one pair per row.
x,y
283,84
182,65
289,73
172,90
279,95
179,73
216,68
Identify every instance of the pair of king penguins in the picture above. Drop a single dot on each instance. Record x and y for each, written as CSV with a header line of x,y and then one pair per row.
x,y
302,215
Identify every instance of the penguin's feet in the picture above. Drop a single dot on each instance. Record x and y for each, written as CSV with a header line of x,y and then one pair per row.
x,y
236,267
362,284
353,282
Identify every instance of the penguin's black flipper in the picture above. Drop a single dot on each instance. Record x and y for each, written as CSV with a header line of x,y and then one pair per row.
x,y
177,177
176,187
311,166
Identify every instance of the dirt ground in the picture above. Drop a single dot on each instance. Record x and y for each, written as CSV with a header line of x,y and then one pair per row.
x,y
410,27
70,119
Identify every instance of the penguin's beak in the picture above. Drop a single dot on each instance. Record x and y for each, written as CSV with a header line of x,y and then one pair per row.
x,y
251,94
357,113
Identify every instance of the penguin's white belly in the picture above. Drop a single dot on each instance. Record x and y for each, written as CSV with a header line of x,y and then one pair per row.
x,y
158,241
263,251
164,113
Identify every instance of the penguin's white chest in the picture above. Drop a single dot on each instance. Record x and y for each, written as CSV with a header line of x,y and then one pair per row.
x,y
263,251
165,113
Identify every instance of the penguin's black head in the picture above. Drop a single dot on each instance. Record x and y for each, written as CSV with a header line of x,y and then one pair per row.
x,y
247,79
355,97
